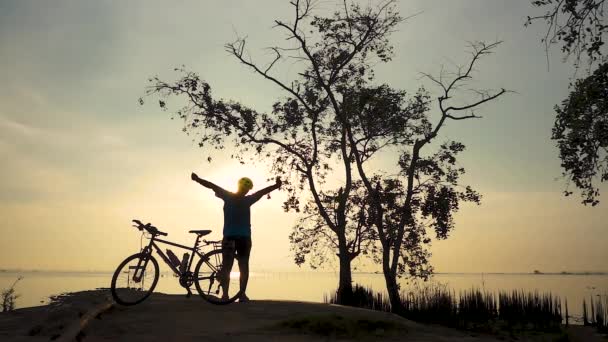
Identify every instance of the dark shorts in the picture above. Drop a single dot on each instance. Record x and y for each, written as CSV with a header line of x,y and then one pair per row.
x,y
238,246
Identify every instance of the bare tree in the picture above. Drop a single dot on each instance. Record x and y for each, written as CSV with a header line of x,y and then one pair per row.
x,y
426,192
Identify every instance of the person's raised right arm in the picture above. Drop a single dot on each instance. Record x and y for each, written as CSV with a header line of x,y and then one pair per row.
x,y
219,191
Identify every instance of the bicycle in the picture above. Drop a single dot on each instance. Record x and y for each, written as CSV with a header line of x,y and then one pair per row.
x,y
141,269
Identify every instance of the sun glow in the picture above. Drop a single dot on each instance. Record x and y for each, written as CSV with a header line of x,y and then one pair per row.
x,y
235,275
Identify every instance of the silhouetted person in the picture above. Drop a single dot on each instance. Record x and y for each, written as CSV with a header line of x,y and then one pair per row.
x,y
237,228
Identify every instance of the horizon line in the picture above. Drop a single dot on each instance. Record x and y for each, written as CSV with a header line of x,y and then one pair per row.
x,y
597,272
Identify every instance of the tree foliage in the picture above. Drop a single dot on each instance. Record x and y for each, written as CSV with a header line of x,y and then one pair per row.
x,y
580,128
577,25
311,241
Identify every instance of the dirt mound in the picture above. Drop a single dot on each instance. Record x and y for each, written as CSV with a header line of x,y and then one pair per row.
x,y
177,318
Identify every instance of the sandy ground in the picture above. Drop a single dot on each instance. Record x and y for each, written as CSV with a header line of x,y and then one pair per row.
x,y
176,318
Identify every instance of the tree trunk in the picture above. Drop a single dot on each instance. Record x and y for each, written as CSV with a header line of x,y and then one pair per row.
x,y
391,283
345,285
393,293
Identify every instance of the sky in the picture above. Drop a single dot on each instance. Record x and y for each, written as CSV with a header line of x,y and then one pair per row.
x,y
81,158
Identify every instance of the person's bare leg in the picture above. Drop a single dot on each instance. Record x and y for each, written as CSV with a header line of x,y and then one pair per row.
x,y
244,275
224,276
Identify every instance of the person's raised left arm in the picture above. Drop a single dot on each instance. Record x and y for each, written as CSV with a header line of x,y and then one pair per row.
x,y
259,194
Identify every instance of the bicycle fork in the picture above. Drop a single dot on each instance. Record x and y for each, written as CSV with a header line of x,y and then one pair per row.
x,y
139,270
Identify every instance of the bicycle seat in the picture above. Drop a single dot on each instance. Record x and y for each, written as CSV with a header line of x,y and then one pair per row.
x,y
200,232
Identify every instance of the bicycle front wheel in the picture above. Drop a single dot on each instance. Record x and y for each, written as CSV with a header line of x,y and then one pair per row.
x,y
216,281
134,279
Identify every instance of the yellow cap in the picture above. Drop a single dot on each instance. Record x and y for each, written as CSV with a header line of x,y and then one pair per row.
x,y
245,183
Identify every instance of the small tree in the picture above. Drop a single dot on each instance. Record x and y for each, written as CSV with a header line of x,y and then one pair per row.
x,y
581,125
9,297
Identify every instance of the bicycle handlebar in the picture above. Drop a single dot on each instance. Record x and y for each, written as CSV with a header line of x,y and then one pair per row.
x,y
148,227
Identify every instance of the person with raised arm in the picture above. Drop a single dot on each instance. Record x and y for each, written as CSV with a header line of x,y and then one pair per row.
x,y
237,228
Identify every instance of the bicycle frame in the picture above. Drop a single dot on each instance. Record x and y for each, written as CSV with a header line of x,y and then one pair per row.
x,y
193,250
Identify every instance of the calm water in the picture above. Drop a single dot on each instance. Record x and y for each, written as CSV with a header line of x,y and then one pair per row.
x,y
37,287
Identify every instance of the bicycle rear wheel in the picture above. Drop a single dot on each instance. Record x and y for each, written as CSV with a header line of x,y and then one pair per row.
x,y
134,279
208,276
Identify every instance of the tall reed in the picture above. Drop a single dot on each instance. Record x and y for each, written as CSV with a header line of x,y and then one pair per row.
x,y
363,297
431,304
542,311
470,308
599,313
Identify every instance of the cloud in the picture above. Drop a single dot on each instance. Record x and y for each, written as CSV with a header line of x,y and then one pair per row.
x,y
9,127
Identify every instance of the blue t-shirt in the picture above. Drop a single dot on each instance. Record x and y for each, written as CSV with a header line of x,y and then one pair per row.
x,y
237,216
